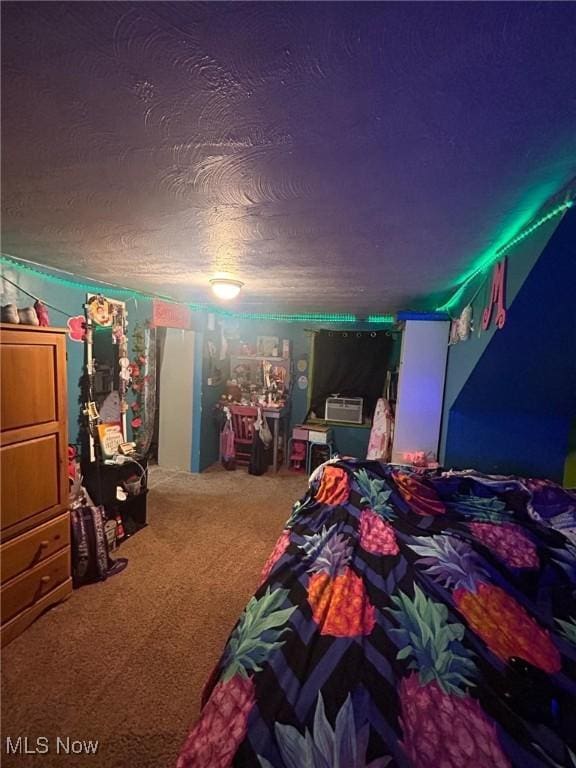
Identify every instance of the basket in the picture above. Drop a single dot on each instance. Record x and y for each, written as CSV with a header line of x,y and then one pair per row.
x,y
133,486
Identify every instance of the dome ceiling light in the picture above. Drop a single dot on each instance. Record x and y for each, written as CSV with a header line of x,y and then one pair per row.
x,y
225,288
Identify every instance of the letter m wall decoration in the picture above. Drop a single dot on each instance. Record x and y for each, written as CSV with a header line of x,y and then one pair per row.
x,y
497,297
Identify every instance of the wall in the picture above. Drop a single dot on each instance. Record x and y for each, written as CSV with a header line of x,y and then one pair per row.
x,y
510,395
208,443
420,388
352,441
71,301
177,393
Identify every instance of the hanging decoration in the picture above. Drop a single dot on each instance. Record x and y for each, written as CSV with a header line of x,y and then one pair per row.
x,y
77,328
100,310
491,257
167,314
461,327
143,383
42,313
39,312
497,297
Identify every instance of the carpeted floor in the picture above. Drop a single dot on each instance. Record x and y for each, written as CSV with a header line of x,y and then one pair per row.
x,y
124,661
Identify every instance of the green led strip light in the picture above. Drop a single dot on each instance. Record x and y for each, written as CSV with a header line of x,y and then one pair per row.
x,y
302,317
490,259
376,319
95,287
89,287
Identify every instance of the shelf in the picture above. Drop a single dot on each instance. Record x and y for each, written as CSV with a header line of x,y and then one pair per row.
x,y
261,357
322,422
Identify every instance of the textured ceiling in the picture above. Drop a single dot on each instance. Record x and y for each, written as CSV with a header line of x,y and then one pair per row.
x,y
333,156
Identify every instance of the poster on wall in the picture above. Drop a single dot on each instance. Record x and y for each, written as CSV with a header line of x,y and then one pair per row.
x,y
168,315
267,346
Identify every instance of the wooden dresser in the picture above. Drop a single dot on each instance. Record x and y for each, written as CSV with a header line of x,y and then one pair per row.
x,y
35,525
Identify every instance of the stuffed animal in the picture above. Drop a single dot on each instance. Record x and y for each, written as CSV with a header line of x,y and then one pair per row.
x,y
42,313
10,314
28,316
72,463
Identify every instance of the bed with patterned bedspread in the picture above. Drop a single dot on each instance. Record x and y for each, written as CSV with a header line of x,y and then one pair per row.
x,y
404,619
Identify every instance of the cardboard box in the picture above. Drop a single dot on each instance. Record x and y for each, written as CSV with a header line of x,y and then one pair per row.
x,y
320,435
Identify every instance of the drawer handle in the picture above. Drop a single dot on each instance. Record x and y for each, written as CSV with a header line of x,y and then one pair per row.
x,y
44,544
45,579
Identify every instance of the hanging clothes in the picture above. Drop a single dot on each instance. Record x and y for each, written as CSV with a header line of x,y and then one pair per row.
x,y
380,444
227,448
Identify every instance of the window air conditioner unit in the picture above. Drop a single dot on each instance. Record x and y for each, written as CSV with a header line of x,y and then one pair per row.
x,y
348,409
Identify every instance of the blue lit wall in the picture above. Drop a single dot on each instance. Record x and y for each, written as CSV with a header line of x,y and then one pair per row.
x,y
352,441
349,440
71,301
511,394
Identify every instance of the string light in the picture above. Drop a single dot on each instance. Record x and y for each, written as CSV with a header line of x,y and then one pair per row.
x,y
380,319
409,315
303,317
284,317
491,258
90,287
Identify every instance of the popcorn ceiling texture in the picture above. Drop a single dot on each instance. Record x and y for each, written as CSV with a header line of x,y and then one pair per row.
x,y
332,155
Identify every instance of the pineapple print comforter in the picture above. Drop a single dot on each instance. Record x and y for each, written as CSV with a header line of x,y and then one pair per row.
x,y
404,620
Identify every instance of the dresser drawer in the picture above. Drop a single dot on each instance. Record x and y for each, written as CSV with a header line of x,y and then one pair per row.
x,y
30,480
29,587
34,547
18,624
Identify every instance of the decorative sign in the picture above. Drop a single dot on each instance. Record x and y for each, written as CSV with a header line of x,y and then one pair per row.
x,y
302,364
302,382
497,297
167,315
110,438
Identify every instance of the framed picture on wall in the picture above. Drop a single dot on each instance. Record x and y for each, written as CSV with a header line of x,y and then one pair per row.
x,y
267,346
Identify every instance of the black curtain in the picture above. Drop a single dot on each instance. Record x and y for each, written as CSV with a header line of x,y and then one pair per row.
x,y
350,364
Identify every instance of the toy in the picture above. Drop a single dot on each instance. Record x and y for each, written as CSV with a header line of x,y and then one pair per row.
x,y
28,316
10,314
72,463
298,455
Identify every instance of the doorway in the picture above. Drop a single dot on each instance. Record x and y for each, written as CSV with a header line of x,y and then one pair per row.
x,y
173,429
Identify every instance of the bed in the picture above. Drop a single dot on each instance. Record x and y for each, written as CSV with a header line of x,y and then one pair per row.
x,y
404,619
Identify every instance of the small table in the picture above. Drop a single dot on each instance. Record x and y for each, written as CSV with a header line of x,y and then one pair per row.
x,y
276,414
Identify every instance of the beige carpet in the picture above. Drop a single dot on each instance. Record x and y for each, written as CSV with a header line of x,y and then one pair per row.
x,y
124,661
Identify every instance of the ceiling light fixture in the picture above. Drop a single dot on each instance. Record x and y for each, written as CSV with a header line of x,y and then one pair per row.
x,y
224,288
